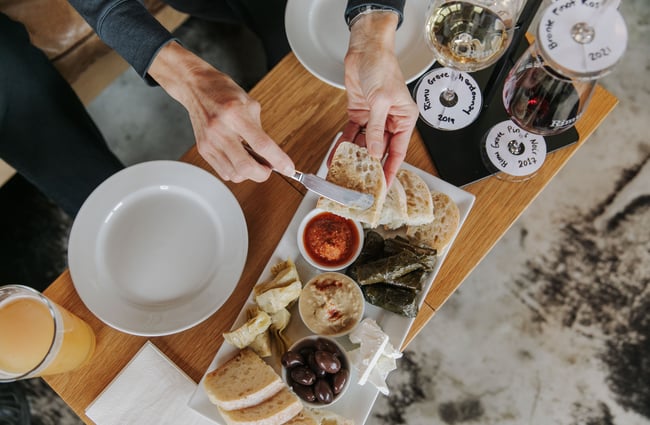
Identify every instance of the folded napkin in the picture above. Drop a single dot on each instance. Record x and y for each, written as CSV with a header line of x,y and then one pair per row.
x,y
149,390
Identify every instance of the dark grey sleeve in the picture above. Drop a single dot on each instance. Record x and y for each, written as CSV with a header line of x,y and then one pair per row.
x,y
354,7
128,28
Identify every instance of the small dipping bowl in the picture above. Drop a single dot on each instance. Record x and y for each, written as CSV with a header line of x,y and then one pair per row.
x,y
331,304
328,241
317,369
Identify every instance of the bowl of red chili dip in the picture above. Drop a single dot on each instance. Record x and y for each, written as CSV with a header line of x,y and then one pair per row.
x,y
331,304
328,241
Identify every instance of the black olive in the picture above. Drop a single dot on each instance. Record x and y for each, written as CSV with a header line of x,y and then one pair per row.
x,y
292,359
303,375
315,367
339,380
327,361
323,391
304,392
326,345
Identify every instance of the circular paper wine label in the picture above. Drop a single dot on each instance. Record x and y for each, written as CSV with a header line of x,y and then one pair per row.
x,y
513,150
586,37
460,111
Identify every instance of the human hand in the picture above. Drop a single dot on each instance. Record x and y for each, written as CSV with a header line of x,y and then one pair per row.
x,y
381,111
223,116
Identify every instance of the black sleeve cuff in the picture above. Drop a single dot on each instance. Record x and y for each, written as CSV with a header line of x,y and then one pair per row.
x,y
355,7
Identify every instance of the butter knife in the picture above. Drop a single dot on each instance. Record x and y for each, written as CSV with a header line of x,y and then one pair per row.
x,y
347,197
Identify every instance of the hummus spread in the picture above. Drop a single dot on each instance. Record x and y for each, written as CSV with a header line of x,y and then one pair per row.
x,y
331,304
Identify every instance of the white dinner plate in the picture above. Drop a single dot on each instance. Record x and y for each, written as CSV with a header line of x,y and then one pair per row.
x,y
319,36
157,248
359,399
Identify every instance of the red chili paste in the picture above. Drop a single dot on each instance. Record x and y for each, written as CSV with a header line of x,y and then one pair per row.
x,y
330,240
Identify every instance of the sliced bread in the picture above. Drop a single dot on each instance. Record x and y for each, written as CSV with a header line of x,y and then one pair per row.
x,y
276,410
302,418
243,381
418,198
354,168
395,211
442,229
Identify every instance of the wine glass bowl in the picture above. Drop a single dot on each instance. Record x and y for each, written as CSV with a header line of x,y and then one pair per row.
x,y
468,35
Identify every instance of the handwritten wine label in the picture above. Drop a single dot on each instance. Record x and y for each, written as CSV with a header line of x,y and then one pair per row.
x,y
585,37
457,111
513,150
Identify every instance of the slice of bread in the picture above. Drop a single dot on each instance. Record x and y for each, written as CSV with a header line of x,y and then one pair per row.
x,y
418,198
243,381
276,410
442,229
302,418
354,168
395,211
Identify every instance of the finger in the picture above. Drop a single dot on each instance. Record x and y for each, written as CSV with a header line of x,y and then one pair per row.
x,y
375,130
220,164
269,150
244,165
397,146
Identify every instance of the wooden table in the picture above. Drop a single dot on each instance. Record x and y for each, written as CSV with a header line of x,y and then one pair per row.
x,y
303,115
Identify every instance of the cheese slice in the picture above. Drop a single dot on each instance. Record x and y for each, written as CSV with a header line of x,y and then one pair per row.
x,y
373,342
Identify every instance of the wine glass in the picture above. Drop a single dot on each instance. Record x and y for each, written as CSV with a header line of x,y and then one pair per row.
x,y
550,85
465,36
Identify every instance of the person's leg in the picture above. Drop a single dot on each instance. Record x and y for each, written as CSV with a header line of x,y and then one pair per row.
x,y
46,133
264,17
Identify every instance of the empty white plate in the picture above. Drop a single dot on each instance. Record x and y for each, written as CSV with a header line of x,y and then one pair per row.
x,y
157,248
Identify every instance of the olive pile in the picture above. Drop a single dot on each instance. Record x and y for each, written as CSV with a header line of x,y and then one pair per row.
x,y
316,371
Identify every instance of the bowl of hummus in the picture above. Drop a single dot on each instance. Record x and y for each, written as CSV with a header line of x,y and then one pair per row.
x,y
331,304
328,241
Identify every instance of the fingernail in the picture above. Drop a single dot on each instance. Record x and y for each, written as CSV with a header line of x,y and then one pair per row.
x,y
288,170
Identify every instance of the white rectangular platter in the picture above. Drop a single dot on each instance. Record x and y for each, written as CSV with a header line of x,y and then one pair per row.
x,y
358,400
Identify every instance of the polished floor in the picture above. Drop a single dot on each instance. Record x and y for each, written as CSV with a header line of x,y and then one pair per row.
x,y
551,328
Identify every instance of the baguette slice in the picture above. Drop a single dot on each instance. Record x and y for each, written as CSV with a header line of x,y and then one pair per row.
x,y
418,198
354,168
276,410
243,381
395,211
442,229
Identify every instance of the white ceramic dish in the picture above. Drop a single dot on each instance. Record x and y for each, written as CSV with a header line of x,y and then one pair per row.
x,y
314,322
319,38
358,402
157,248
314,261
345,363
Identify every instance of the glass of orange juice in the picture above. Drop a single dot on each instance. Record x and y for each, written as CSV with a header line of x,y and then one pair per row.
x,y
39,337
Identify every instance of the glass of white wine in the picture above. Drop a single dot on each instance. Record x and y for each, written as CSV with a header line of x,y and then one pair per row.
x,y
465,36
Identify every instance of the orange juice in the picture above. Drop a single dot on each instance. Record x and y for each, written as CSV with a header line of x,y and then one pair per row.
x,y
31,335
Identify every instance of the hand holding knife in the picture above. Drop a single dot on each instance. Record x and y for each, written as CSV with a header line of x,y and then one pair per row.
x,y
348,197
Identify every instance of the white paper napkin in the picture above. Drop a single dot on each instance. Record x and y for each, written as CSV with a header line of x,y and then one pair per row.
x,y
149,390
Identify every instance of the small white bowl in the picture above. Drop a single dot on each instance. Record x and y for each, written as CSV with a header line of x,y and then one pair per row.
x,y
331,304
332,345
343,252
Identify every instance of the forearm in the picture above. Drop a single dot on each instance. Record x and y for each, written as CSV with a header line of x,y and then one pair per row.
x,y
127,27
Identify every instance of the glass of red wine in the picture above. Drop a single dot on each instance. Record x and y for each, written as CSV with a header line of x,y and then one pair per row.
x,y
550,85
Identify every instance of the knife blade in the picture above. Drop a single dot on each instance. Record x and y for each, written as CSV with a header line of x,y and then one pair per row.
x,y
342,195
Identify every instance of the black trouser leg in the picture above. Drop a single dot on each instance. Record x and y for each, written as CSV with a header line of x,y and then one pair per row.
x,y
264,17
45,132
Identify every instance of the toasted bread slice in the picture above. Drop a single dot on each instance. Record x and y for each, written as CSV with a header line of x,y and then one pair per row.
x,y
243,381
354,168
442,229
418,198
395,211
278,409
